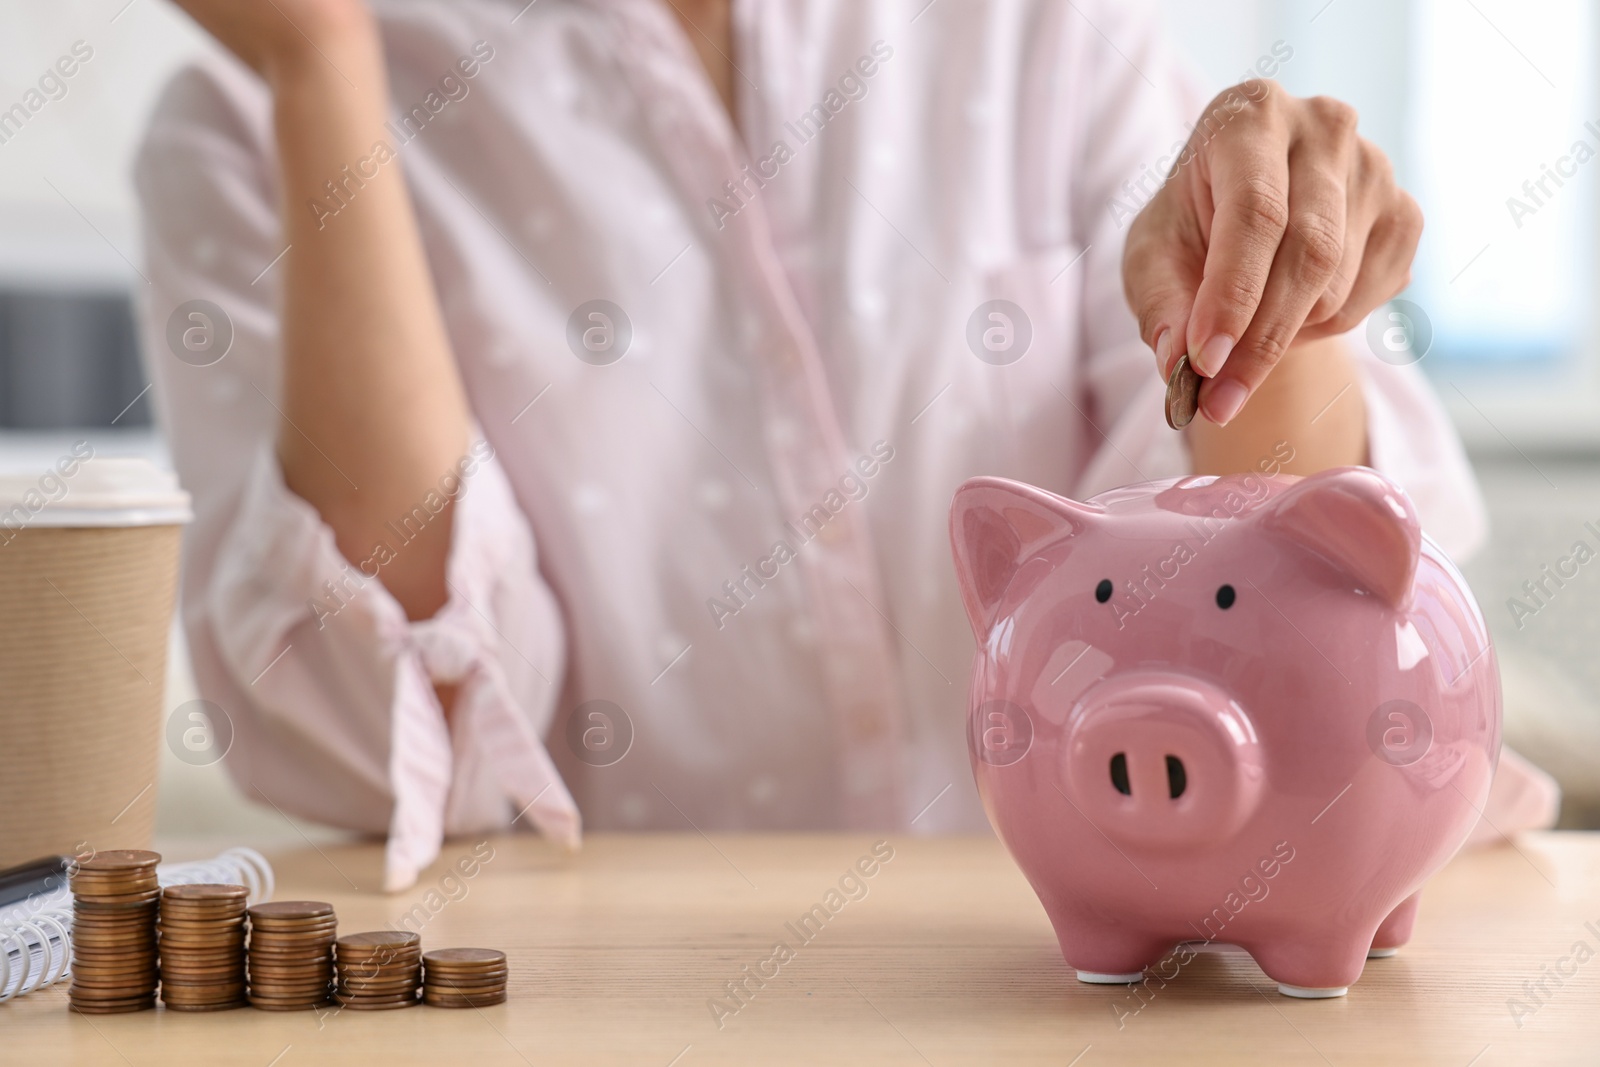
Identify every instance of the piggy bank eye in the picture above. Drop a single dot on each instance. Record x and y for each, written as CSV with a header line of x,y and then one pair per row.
x,y
1102,592
1225,597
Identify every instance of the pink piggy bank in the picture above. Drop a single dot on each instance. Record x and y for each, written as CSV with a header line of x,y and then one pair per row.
x,y
1252,710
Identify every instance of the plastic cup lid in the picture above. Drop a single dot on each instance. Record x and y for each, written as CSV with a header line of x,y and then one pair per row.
x,y
99,491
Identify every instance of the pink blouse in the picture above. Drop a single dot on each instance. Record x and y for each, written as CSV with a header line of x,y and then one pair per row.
x,y
727,380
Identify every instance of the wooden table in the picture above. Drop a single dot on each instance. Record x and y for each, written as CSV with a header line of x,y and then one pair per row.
x,y
618,953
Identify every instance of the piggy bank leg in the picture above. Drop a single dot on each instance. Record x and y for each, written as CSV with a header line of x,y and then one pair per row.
x,y
1396,929
1314,969
1105,957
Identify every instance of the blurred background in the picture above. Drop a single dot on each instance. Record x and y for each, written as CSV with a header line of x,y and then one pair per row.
x,y
1477,102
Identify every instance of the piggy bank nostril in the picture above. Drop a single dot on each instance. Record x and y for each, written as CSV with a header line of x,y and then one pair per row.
x,y
1177,777
1119,774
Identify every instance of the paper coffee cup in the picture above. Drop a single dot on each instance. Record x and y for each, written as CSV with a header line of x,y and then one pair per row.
x,y
88,575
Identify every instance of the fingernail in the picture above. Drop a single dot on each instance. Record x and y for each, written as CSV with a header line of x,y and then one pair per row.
x,y
1213,354
1222,400
1163,349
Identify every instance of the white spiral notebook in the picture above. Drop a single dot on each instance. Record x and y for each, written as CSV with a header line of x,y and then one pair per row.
x,y
36,932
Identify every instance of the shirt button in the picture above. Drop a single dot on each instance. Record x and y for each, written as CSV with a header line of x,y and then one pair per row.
x,y
845,670
633,809
783,432
750,330
590,498
865,723
868,303
714,495
860,780
763,789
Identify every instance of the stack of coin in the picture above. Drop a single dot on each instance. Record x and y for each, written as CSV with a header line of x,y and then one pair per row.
x,y
378,970
464,977
115,899
202,947
291,954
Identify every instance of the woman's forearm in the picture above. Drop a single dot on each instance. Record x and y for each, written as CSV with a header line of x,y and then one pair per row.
x,y
1312,402
374,411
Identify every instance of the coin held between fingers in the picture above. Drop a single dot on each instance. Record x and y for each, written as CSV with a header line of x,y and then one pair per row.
x,y
1183,394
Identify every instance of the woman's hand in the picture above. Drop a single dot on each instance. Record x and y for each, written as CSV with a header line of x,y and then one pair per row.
x,y
1278,225
280,36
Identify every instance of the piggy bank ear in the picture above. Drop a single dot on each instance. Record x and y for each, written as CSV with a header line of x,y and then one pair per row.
x,y
1360,522
996,526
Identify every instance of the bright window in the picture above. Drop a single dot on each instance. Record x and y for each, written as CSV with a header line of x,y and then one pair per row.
x,y
1505,159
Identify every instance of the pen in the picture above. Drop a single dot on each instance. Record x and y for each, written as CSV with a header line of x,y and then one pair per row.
x,y
36,876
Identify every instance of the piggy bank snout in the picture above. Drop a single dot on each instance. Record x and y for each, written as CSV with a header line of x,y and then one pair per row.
x,y
1162,760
